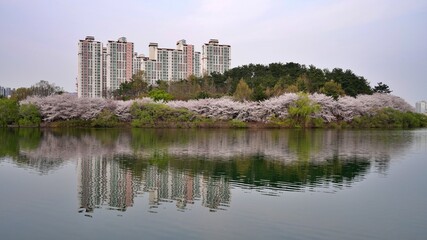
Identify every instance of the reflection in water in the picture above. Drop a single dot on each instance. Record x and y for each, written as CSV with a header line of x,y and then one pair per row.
x,y
102,182
170,184
189,166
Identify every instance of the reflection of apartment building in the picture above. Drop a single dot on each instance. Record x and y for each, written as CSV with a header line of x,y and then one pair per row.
x,y
103,182
184,188
215,192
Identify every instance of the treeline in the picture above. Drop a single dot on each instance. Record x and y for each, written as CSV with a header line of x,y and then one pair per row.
x,y
13,113
40,89
255,82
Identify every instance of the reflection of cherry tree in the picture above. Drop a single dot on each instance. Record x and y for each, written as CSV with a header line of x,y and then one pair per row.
x,y
286,146
73,144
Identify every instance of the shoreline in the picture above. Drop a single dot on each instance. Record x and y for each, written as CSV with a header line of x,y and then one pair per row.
x,y
87,124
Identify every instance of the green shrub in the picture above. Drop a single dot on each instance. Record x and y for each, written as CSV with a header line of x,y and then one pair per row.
x,y
203,95
9,112
390,118
302,110
158,94
29,115
105,119
152,114
72,123
276,122
317,122
238,124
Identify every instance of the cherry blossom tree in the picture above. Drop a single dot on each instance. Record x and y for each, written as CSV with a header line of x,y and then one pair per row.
x,y
66,107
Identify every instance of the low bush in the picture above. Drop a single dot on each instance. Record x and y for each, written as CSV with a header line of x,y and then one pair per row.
x,y
105,119
160,95
157,115
238,124
71,123
9,112
29,116
390,118
302,110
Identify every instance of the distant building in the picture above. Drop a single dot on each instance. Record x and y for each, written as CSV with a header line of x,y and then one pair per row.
x,y
5,91
119,63
421,107
215,57
101,70
171,64
89,75
138,63
104,73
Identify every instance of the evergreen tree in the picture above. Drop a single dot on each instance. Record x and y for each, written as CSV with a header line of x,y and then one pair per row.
x,y
382,88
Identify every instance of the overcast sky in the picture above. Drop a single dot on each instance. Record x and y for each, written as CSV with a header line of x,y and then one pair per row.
x,y
382,40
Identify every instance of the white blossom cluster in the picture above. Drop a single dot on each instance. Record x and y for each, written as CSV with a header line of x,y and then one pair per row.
x,y
345,108
67,106
226,109
64,107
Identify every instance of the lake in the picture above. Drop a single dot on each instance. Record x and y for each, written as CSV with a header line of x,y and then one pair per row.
x,y
213,184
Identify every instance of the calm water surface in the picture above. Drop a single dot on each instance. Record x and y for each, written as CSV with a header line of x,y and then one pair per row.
x,y
213,184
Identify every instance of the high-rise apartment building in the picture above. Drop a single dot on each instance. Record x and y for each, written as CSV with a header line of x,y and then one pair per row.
x,y
171,64
215,57
421,107
89,75
190,59
138,61
119,63
104,73
102,69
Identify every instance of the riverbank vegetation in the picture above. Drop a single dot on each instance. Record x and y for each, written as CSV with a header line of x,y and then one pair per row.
x,y
276,95
289,110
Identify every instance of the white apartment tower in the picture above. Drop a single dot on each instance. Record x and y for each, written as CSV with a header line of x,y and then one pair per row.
x,y
101,70
138,63
104,72
190,64
89,74
421,107
215,57
171,64
119,63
